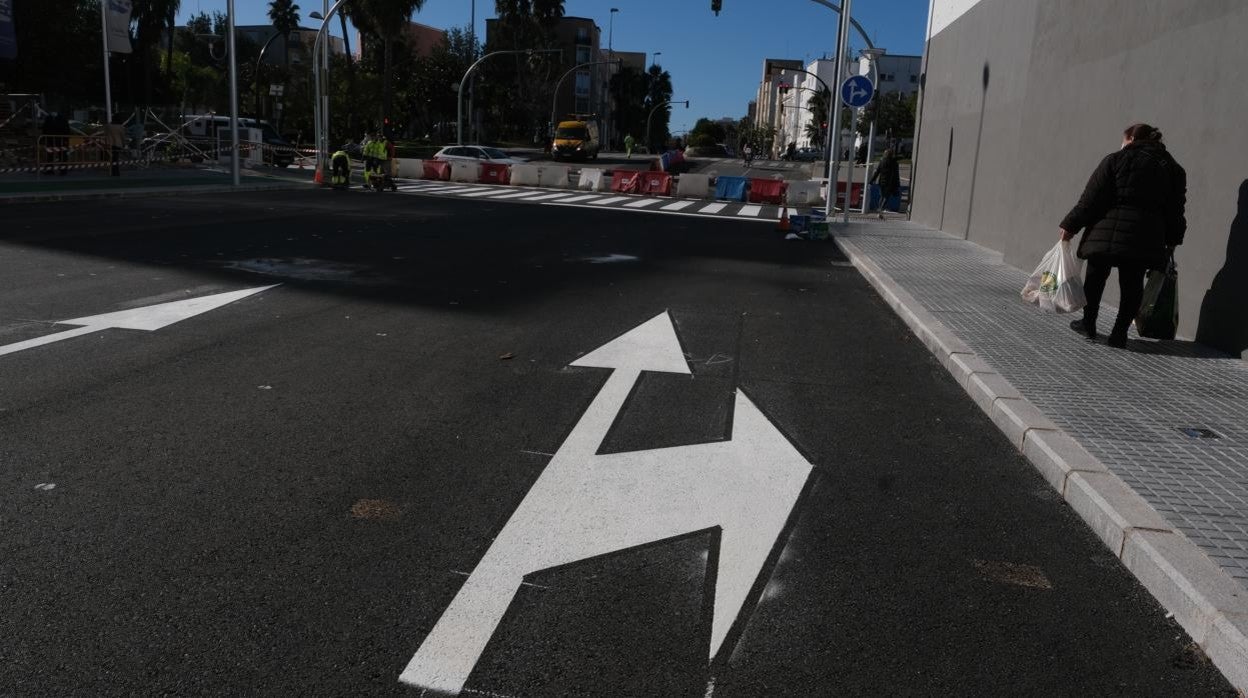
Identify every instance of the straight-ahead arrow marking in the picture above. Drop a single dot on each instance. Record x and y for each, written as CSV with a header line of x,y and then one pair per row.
x,y
148,318
584,505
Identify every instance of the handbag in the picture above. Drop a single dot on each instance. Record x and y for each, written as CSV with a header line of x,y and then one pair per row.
x,y
1159,312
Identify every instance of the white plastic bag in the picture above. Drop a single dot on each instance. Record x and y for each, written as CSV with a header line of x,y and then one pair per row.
x,y
1056,285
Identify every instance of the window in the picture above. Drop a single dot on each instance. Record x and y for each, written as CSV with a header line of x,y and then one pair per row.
x,y
914,79
582,83
582,54
582,35
582,105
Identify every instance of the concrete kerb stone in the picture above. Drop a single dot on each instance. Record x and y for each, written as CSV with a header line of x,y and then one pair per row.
x,y
1186,582
1227,646
1056,456
1210,605
524,175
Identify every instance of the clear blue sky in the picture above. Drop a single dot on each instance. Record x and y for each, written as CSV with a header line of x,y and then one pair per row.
x,y
715,62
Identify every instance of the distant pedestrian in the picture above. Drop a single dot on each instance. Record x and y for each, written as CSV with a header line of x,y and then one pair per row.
x,y
1132,216
629,143
790,151
115,141
888,174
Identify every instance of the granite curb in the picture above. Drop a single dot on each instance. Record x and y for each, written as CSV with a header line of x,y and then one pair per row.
x,y
1210,605
184,190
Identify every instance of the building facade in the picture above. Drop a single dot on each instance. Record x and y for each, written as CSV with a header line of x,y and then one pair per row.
x,y
419,38
1022,98
301,42
768,97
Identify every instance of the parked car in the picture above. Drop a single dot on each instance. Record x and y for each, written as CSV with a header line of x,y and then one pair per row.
x,y
808,154
476,153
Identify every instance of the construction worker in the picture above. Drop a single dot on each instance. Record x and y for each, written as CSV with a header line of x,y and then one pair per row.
x,y
629,143
374,152
341,169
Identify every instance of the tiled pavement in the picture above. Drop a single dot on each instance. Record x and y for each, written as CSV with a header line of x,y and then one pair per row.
x,y
1126,408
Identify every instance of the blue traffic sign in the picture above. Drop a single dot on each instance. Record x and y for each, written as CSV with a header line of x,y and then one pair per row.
x,y
857,91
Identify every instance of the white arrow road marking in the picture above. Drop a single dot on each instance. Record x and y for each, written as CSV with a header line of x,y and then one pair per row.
x,y
584,505
149,318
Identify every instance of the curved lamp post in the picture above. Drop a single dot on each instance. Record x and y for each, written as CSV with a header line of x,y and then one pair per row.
x,y
459,113
261,58
321,109
658,107
554,102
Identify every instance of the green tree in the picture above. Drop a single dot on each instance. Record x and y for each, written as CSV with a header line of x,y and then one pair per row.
x,y
628,92
894,115
658,91
284,14
150,18
707,133
385,20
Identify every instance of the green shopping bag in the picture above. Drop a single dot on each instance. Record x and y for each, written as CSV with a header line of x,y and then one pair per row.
x,y
1159,313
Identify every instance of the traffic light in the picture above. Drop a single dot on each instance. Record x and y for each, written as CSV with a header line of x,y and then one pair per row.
x,y
716,6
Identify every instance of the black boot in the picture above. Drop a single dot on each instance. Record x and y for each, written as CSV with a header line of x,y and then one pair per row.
x,y
1085,326
1118,336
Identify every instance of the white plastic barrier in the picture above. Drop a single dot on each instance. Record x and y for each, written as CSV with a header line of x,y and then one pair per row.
x,y
592,179
697,186
409,167
465,172
525,175
801,193
552,176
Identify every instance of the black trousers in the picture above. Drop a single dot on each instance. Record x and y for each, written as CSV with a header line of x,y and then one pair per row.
x,y
1130,286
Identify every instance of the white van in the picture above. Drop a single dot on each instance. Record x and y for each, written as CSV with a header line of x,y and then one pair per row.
x,y
217,127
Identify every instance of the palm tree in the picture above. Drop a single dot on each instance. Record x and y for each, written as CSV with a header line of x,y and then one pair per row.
x,y
150,18
284,14
386,20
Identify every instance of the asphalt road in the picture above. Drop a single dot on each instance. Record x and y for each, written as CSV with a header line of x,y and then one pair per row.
x,y
284,494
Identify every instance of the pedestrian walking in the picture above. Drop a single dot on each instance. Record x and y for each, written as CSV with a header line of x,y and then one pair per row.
x,y
1132,217
115,141
629,143
888,174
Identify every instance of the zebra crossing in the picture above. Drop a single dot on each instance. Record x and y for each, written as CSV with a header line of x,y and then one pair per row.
x,y
597,200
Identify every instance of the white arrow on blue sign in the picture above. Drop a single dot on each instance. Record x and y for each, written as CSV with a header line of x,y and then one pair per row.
x,y
856,91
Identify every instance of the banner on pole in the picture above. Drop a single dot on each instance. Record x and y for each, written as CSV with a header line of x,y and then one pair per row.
x,y
118,25
8,37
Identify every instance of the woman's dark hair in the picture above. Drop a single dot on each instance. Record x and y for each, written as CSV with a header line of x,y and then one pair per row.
x,y
1142,132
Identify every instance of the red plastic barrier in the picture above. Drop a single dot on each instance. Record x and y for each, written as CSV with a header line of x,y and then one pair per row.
x,y
437,169
656,183
855,194
626,182
493,173
767,191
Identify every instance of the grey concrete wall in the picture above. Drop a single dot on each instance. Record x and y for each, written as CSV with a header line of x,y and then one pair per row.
x,y
1065,77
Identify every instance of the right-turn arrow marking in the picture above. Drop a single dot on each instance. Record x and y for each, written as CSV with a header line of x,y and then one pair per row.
x,y
585,504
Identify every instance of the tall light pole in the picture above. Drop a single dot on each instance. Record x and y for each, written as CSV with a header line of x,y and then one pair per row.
x,y
606,94
321,105
658,107
260,58
229,15
655,59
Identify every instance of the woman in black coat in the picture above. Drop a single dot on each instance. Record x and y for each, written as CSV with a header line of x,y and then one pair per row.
x,y
888,172
1132,215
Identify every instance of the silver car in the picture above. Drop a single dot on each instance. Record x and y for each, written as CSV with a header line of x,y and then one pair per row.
x,y
475,153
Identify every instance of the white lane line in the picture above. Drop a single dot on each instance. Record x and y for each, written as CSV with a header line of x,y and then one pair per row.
x,y
582,197
750,211
677,206
543,197
643,203
450,190
611,200
515,195
653,212
485,192
713,208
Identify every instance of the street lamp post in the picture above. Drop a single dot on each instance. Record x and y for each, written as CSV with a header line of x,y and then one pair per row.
x,y
229,13
606,95
261,58
554,102
459,118
656,108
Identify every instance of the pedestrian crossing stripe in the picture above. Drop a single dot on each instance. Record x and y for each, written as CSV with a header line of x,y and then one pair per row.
x,y
609,201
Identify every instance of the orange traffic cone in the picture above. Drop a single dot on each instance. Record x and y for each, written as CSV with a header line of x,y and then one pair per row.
x,y
318,178
784,214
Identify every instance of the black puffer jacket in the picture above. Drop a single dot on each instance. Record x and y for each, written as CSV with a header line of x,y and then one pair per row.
x,y
1133,206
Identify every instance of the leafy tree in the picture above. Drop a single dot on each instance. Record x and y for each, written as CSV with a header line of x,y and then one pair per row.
x,y
658,91
150,18
894,115
628,92
516,90
284,14
58,48
707,133
385,20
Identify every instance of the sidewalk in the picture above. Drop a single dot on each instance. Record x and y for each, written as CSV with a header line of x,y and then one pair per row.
x,y
1105,427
